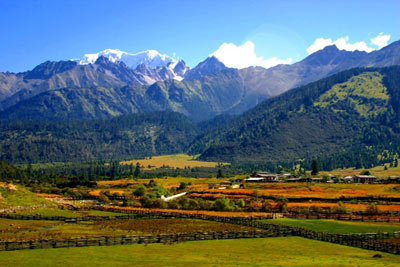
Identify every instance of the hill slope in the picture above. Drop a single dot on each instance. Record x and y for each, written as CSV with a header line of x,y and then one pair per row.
x,y
121,137
353,112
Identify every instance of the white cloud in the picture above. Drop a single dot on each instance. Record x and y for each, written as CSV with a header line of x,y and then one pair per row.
x,y
243,56
341,43
381,40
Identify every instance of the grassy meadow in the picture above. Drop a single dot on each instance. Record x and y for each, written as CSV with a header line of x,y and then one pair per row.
x,y
337,227
173,161
286,251
13,195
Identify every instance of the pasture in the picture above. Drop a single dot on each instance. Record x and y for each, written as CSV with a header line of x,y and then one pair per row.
x,y
337,227
172,161
286,251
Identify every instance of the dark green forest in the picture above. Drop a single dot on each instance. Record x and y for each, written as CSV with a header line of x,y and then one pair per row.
x,y
298,126
123,137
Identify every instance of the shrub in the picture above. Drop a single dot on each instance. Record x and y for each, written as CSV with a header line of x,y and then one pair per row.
x,y
140,191
222,204
159,191
372,209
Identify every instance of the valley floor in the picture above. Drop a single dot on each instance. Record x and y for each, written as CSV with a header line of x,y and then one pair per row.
x,y
285,251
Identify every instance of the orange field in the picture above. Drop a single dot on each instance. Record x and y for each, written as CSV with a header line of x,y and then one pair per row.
x,y
97,192
300,190
353,207
44,195
199,212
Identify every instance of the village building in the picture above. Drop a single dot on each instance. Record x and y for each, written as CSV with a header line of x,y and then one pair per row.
x,y
347,179
255,180
263,177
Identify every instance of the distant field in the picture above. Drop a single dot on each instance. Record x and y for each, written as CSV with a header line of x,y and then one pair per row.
x,y
286,251
378,171
26,230
205,212
120,186
299,190
173,161
50,212
337,227
349,206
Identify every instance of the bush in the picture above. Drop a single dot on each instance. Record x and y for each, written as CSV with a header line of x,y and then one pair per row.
x,y
103,198
158,191
193,204
240,203
182,186
365,172
372,209
140,191
153,203
222,204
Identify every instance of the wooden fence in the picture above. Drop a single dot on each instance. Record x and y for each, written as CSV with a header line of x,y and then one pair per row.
x,y
74,219
371,241
394,218
131,239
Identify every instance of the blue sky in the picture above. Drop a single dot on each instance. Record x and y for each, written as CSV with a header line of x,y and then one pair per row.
x,y
35,31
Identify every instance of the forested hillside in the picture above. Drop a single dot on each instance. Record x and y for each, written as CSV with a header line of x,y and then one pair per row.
x,y
348,119
130,136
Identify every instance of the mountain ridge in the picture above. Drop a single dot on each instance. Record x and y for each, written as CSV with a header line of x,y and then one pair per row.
x,y
315,120
247,87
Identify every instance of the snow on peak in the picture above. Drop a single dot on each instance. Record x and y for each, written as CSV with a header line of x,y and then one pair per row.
x,y
150,57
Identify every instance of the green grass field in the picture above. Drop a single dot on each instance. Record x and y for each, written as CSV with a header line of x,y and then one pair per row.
x,y
11,196
286,251
338,227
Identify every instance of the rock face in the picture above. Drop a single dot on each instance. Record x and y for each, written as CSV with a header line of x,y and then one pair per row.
x,y
209,66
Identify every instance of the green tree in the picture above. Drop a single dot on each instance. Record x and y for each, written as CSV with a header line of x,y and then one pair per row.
x,y
219,173
222,204
314,167
137,170
140,191
365,172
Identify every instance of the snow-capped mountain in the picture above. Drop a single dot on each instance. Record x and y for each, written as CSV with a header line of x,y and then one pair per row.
x,y
152,58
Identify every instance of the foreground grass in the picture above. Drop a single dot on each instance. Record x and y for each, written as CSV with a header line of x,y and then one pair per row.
x,y
338,227
285,251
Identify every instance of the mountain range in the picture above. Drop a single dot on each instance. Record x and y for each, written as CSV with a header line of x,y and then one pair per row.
x,y
207,90
339,106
